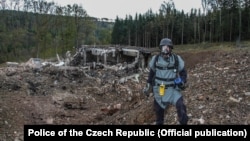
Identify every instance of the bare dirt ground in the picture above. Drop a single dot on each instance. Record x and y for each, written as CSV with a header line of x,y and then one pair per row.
x,y
218,93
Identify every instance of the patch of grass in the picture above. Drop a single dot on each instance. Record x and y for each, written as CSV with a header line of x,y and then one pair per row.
x,y
225,46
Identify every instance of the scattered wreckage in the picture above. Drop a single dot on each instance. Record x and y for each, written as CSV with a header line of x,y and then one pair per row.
x,y
130,62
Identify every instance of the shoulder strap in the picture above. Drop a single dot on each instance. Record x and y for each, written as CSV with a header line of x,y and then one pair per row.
x,y
156,59
176,62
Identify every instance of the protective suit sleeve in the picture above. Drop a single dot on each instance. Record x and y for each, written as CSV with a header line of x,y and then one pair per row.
x,y
183,75
150,77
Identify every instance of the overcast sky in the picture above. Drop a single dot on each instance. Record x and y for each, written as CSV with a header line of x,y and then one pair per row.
x,y
112,8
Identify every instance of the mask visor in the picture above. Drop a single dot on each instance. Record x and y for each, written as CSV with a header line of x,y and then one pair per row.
x,y
165,50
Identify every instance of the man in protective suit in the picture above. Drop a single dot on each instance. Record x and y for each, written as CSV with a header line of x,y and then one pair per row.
x,y
167,77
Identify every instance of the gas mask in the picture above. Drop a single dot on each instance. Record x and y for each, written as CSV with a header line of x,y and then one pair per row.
x,y
165,50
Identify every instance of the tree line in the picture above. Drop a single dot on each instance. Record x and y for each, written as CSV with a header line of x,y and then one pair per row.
x,y
215,21
36,28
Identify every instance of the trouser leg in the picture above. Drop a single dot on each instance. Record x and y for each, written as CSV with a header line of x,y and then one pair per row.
x,y
181,111
159,113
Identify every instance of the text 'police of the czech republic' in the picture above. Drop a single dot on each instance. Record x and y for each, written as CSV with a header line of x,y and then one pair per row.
x,y
109,132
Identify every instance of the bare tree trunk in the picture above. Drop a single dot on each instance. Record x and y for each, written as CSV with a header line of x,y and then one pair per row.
x,y
231,27
239,24
129,40
182,29
194,30
221,31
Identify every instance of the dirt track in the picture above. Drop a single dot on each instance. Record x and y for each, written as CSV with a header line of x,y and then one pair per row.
x,y
218,93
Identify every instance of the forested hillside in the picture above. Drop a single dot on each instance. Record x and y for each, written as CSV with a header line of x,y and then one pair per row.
x,y
41,29
36,28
